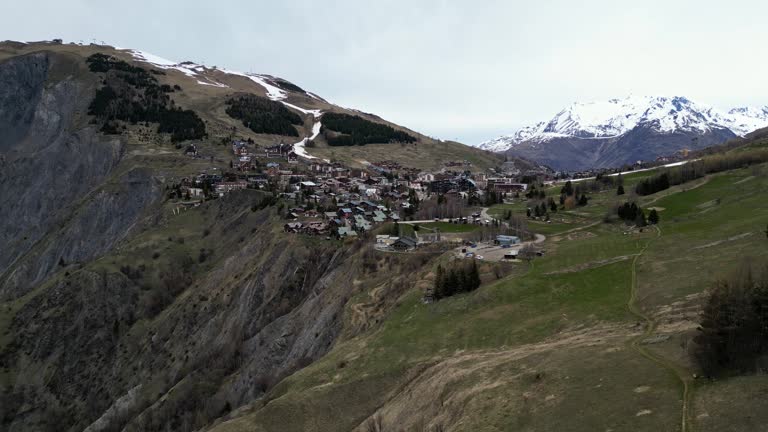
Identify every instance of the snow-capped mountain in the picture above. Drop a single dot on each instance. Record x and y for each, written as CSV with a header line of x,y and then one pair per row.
x,y
615,117
595,126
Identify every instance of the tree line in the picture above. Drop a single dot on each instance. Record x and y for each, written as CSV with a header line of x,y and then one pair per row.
x,y
132,94
355,130
699,168
263,116
457,280
630,213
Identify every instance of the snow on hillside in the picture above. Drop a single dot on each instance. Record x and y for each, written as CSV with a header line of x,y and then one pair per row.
x,y
615,117
274,92
189,69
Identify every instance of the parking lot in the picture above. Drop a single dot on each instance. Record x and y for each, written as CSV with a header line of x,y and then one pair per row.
x,y
486,251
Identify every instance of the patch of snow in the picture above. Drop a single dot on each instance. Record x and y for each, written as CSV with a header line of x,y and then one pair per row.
x,y
213,84
315,113
273,92
316,129
189,69
300,147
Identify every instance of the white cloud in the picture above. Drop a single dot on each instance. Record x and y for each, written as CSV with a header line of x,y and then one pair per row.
x,y
448,68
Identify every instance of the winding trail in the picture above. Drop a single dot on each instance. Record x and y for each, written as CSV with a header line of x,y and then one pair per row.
x,y
650,327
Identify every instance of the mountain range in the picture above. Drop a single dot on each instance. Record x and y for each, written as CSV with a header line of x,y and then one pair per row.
x,y
621,131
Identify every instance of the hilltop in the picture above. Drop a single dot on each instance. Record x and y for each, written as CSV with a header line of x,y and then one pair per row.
x,y
205,90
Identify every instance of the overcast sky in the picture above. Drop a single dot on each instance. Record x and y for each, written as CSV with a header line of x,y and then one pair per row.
x,y
451,69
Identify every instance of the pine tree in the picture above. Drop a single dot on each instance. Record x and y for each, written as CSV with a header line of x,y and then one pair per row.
x,y
583,200
567,189
620,190
552,206
474,277
451,284
653,217
640,218
463,279
439,288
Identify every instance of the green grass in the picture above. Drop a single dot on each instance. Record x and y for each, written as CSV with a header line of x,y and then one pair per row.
x,y
583,282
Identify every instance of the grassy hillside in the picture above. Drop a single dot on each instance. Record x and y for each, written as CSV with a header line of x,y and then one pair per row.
x,y
562,344
210,103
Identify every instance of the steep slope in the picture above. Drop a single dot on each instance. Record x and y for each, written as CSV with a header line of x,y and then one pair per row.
x,y
118,309
70,202
595,335
619,131
205,90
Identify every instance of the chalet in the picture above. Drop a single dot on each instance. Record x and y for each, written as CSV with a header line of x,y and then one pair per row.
x,y
383,240
345,213
379,216
330,215
361,224
346,232
292,157
316,227
277,151
224,187
425,177
243,163
308,185
293,227
404,244
240,148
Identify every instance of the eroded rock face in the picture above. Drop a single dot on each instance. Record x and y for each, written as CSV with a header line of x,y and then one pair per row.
x,y
98,332
265,308
53,164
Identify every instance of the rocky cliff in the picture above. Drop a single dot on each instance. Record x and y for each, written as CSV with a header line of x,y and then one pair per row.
x,y
121,311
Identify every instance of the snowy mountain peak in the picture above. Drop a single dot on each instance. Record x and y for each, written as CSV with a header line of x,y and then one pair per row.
x,y
615,117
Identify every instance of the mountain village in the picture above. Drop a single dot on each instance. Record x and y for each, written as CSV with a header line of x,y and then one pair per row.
x,y
333,200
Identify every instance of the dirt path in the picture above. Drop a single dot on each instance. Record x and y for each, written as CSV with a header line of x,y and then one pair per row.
x,y
671,191
577,229
650,328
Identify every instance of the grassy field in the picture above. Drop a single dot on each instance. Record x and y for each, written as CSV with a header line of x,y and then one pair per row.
x,y
547,348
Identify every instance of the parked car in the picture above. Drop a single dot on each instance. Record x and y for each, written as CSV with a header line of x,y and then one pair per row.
x,y
479,257
469,255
